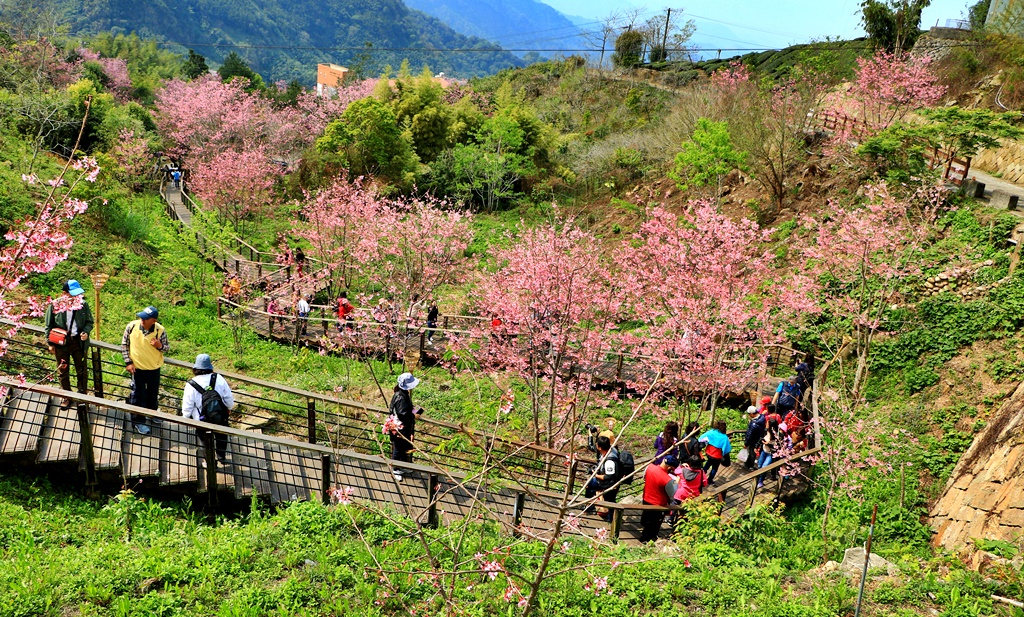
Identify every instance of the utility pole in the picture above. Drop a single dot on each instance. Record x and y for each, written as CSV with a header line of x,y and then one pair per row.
x,y
664,36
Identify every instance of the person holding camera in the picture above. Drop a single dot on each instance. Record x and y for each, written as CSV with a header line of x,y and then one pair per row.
x,y
605,482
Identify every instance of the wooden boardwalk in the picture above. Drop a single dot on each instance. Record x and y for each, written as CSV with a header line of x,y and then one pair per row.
x,y
95,436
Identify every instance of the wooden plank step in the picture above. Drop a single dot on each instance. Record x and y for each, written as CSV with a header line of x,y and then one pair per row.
x,y
248,459
61,438
140,454
107,427
23,421
225,475
287,475
179,458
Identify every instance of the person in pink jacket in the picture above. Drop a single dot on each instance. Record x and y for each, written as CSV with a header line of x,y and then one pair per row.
x,y
692,480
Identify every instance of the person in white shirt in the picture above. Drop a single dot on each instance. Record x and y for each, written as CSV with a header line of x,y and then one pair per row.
x,y
192,399
302,309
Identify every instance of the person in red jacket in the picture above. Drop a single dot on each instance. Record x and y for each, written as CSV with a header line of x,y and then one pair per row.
x,y
657,478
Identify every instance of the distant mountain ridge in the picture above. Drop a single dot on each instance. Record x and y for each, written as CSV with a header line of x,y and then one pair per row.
x,y
514,24
285,39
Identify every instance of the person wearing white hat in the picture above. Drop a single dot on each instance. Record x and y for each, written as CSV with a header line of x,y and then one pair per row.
x,y
402,409
197,403
67,334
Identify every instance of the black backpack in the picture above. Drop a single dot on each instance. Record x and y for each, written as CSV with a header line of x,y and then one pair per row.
x,y
212,409
627,467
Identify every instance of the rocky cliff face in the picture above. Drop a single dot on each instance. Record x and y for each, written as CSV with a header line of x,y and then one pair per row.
x,y
985,495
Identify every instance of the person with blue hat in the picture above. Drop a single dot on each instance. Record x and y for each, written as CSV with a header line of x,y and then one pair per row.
x,y
402,409
143,346
207,397
67,334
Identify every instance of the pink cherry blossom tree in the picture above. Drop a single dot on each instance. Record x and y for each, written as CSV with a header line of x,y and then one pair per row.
x,y
132,155
862,257
557,300
38,243
237,184
890,85
709,299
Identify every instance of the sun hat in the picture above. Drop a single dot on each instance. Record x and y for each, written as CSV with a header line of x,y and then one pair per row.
x,y
149,312
766,400
407,382
74,288
203,362
751,410
671,461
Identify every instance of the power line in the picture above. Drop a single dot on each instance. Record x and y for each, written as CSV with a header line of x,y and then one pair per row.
x,y
492,50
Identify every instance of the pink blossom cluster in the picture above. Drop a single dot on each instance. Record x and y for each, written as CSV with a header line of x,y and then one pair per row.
x,y
204,117
342,495
888,86
35,245
391,425
119,82
402,246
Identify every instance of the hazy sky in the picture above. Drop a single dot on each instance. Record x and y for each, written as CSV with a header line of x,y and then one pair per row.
x,y
761,23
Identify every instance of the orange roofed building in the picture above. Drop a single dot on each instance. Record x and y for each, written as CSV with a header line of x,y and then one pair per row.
x,y
328,78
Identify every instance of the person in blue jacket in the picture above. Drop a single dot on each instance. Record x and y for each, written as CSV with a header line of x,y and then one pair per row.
x,y
717,450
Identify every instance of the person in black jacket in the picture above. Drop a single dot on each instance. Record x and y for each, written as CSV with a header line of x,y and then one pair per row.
x,y
402,409
77,324
756,428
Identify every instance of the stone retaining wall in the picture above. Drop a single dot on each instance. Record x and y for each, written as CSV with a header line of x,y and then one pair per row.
x,y
1007,161
984,497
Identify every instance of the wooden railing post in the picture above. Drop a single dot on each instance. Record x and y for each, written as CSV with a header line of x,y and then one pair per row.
x,y
97,373
85,433
210,456
618,368
311,420
753,492
517,513
325,478
433,485
616,523
573,469
423,341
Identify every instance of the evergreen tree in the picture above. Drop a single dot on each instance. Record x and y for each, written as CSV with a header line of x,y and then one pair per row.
x,y
235,66
195,66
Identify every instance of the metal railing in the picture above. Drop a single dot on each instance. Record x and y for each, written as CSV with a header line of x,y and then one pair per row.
x,y
298,414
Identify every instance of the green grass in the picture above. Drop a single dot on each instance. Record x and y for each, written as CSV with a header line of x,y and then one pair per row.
x,y
133,555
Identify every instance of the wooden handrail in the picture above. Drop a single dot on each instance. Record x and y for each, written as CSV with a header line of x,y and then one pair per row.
x,y
218,428
382,411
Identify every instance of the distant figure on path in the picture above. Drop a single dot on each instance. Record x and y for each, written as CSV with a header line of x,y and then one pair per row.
x,y
432,315
176,176
302,311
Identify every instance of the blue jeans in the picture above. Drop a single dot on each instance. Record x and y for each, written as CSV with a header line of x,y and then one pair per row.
x,y
711,468
763,460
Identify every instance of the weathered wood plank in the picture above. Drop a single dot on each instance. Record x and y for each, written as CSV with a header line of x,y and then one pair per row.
x,y
141,453
107,426
22,423
179,462
287,475
249,465
61,438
